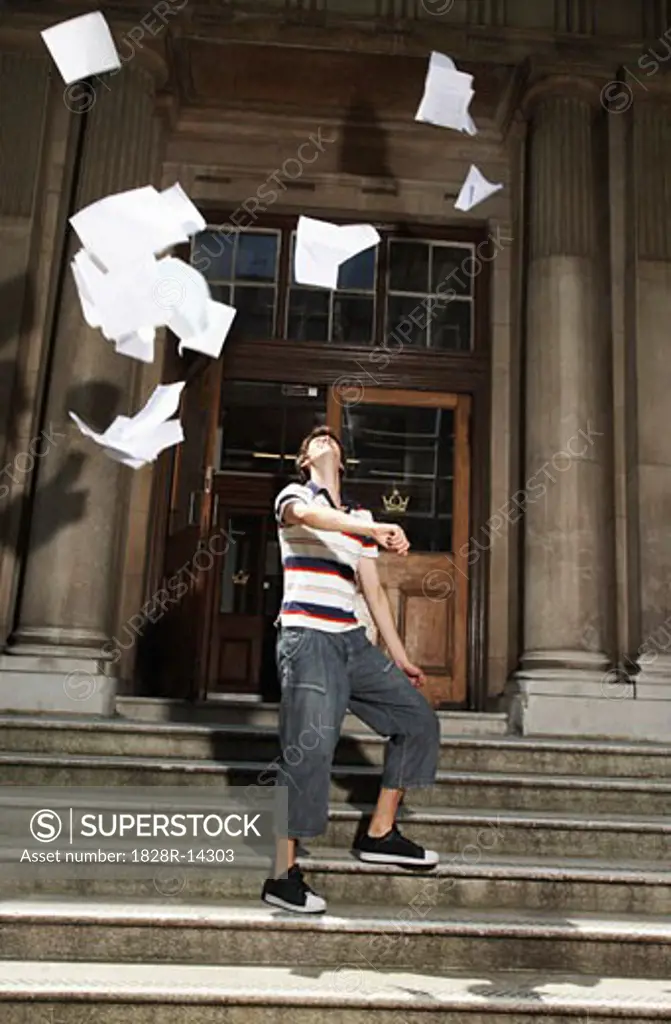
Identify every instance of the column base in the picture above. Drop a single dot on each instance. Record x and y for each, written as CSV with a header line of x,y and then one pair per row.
x,y
654,679
576,703
69,682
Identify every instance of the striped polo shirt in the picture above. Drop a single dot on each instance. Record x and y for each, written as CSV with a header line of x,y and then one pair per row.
x,y
319,566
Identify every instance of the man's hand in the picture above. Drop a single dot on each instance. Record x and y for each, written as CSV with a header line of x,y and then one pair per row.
x,y
391,537
413,672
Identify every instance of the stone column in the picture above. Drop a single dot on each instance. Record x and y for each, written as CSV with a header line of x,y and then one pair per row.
x,y
25,144
71,577
567,489
650,493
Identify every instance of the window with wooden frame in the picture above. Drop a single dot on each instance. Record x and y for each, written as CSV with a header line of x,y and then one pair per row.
x,y
421,288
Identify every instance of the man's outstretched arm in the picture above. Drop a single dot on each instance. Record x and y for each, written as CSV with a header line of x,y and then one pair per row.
x,y
380,610
319,517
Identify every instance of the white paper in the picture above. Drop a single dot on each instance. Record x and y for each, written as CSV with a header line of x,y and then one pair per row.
x,y
210,342
182,209
81,47
130,299
321,249
149,445
475,189
447,96
127,226
88,278
141,438
138,345
182,293
160,406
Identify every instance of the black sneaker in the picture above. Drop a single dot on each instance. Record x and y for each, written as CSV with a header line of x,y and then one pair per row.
x,y
292,893
393,848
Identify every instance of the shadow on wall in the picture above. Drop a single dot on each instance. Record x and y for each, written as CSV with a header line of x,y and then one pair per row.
x,y
16,306
364,151
98,403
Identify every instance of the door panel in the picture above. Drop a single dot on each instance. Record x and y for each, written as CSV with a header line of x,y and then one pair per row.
x,y
408,462
241,648
183,630
262,425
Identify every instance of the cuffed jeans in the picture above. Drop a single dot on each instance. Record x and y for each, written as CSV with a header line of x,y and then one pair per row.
x,y
322,674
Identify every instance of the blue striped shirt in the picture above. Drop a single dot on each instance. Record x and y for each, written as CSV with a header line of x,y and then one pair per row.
x,y
319,566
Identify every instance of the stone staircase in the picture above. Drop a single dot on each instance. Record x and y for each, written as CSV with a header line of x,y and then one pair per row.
x,y
552,903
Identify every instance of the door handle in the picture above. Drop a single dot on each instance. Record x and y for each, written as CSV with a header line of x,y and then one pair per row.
x,y
215,511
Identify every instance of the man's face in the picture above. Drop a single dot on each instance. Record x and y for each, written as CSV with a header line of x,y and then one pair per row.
x,y
322,451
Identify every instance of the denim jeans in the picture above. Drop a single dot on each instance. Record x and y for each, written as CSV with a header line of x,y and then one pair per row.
x,y
322,674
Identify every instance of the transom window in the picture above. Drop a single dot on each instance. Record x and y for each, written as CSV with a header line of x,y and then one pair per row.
x,y
420,289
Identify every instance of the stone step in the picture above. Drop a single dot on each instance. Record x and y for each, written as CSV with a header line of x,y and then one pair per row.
x,y
355,784
114,993
231,711
471,879
238,741
515,833
246,933
119,737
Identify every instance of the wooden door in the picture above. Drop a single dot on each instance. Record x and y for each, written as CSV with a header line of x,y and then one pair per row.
x,y
181,636
247,588
409,462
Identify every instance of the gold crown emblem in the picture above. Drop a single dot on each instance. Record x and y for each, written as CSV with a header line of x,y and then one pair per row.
x,y
241,578
395,502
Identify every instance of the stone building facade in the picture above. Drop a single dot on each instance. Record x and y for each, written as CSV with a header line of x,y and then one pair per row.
x,y
573,106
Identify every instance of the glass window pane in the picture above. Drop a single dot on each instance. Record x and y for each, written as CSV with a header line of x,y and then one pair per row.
x,y
212,255
256,257
409,267
450,269
399,457
450,325
399,310
221,293
263,424
359,272
308,318
353,319
256,312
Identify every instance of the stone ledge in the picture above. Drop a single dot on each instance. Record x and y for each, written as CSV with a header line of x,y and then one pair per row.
x,y
55,685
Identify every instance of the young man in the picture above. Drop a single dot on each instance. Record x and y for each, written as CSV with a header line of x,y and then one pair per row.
x,y
327,664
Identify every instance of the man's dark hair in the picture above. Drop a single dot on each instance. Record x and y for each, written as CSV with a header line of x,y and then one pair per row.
x,y
303,472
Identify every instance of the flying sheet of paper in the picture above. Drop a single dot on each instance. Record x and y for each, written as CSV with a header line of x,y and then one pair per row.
x,y
447,96
87,281
128,303
210,342
139,345
159,407
129,299
141,438
475,190
182,209
321,248
141,451
130,225
148,446
81,47
183,294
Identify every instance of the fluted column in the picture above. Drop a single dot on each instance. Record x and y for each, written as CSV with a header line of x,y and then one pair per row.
x,y
568,553
70,583
23,142
650,498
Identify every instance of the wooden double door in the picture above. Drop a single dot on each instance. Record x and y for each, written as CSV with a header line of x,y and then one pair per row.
x,y
408,461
